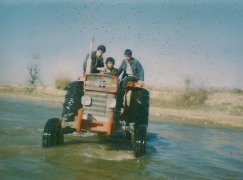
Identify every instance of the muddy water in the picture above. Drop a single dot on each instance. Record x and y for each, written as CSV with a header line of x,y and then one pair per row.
x,y
175,151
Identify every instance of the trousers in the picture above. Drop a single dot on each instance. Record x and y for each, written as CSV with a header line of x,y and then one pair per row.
x,y
122,89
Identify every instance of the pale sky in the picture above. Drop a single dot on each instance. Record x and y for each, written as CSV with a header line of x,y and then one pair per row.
x,y
173,39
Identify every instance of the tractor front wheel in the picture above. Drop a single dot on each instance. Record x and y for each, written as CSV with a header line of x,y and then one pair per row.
x,y
140,140
53,133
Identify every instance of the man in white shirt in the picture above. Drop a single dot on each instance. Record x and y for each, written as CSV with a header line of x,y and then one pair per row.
x,y
133,71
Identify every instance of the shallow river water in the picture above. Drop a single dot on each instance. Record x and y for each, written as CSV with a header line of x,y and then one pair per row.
x,y
174,151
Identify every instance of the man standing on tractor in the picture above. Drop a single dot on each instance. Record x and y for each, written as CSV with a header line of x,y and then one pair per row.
x,y
132,71
97,60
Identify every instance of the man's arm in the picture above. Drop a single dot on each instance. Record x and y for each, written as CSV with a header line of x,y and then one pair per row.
x,y
114,72
141,72
102,63
120,70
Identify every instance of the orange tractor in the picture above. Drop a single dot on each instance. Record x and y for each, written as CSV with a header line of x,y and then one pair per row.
x,y
90,105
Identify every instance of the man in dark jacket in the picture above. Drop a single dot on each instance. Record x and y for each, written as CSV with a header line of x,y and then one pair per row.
x,y
97,60
109,69
132,71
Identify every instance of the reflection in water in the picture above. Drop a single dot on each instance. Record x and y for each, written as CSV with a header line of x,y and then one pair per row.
x,y
174,151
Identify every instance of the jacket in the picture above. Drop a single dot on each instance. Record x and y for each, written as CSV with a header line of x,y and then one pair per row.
x,y
137,69
96,62
112,71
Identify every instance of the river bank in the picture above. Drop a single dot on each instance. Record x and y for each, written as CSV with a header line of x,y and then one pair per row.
x,y
50,94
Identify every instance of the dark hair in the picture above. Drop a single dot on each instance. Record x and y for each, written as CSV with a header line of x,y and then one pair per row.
x,y
128,52
110,59
102,48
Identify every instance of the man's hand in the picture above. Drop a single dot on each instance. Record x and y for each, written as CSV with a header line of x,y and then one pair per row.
x,y
101,69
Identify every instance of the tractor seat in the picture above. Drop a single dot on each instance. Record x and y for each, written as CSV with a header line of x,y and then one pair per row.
x,y
135,84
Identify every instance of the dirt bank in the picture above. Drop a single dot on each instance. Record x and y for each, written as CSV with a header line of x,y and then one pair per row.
x,y
52,95
198,117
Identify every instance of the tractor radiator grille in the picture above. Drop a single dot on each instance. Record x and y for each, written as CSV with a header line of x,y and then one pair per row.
x,y
98,104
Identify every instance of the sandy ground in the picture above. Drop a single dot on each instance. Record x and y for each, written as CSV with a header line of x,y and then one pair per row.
x,y
198,117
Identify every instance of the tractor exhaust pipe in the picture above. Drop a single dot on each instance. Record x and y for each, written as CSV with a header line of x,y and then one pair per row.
x,y
89,61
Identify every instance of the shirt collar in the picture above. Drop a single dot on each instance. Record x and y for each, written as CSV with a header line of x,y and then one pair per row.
x,y
131,61
101,57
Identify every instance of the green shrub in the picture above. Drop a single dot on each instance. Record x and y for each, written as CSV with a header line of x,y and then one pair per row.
x,y
30,89
34,72
62,82
192,96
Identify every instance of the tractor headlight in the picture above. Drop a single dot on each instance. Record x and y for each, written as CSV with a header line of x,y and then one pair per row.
x,y
111,102
86,100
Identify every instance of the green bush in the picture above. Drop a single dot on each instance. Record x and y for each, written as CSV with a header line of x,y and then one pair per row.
x,y
30,89
62,82
192,96
188,98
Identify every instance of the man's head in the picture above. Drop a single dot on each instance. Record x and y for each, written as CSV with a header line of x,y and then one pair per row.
x,y
100,50
128,54
110,62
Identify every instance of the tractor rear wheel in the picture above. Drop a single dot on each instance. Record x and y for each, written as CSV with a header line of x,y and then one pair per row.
x,y
140,140
53,133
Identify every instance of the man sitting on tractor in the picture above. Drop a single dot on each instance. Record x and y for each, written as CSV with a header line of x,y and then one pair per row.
x,y
133,71
109,69
97,60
